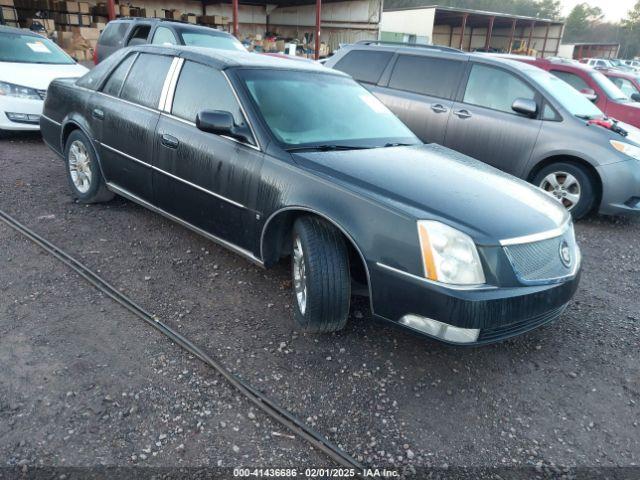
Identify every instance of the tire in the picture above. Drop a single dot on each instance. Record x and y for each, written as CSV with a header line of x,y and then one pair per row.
x,y
324,280
580,182
83,171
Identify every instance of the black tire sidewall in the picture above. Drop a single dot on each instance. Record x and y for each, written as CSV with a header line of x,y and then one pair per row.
x,y
328,298
96,180
587,189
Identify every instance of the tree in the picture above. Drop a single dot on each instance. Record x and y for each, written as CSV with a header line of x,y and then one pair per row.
x,y
548,9
582,17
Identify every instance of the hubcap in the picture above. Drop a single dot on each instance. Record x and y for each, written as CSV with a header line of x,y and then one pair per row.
x,y
564,187
299,275
80,166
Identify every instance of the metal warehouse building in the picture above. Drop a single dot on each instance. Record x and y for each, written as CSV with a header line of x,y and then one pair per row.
x,y
472,30
589,50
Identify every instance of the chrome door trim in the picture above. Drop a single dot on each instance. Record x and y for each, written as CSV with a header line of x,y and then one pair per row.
x,y
234,248
172,86
167,81
153,167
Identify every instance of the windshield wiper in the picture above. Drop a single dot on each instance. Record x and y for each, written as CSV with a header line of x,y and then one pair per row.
x,y
325,148
587,117
398,144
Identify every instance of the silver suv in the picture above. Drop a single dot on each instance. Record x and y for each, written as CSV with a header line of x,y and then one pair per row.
x,y
508,114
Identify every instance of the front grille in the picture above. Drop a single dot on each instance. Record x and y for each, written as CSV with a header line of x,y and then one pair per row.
x,y
542,261
43,94
516,328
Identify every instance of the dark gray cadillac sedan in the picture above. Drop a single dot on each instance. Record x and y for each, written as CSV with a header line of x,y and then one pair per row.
x,y
274,158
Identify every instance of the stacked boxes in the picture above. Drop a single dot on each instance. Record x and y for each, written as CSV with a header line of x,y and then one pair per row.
x,y
8,13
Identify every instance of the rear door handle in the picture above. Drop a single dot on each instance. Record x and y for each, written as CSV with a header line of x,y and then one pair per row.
x,y
169,141
439,108
97,113
462,113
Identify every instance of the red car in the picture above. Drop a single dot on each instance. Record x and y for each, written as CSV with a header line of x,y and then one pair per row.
x,y
628,82
593,83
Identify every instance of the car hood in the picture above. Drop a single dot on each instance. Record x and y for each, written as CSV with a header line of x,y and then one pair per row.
x,y
434,182
37,75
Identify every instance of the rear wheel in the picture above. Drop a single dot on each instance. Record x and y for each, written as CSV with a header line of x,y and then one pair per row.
x,y
320,276
571,184
83,171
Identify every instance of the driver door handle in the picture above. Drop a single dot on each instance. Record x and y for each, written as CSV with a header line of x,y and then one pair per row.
x,y
97,113
462,113
169,141
439,108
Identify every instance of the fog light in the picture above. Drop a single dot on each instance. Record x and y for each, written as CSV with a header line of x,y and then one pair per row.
x,y
440,330
23,117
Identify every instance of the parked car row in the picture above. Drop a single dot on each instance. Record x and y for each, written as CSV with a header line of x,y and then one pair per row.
x,y
513,116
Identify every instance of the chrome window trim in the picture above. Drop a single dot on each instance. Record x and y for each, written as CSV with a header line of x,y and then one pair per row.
x,y
153,167
167,80
439,284
231,246
172,86
537,237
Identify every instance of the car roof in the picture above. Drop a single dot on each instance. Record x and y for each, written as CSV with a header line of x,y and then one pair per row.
x,y
176,24
18,31
224,59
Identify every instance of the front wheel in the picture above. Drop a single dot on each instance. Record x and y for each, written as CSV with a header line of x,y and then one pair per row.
x,y
83,171
571,185
320,276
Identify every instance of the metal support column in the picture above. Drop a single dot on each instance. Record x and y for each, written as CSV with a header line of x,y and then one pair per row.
x,y
111,9
512,34
462,28
544,44
317,35
235,17
533,25
487,43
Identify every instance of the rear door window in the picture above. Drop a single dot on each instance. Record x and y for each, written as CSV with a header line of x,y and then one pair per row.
x,y
114,84
164,36
572,79
436,77
364,65
113,35
146,79
495,88
189,100
627,87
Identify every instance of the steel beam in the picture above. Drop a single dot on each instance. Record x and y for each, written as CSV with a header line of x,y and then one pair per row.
x,y
316,54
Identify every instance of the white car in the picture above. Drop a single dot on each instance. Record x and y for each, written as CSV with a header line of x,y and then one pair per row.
x,y
28,63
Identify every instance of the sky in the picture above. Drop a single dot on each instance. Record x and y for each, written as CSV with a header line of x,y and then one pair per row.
x,y
613,10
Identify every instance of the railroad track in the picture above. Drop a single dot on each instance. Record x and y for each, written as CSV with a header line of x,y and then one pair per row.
x,y
275,412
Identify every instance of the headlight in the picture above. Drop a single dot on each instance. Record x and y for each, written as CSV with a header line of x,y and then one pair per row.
x,y
449,255
626,148
11,90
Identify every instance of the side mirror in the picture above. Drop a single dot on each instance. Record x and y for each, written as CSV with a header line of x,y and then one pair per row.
x,y
525,106
635,97
220,122
590,94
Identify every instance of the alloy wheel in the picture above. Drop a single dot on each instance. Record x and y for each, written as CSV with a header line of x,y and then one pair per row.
x,y
299,275
80,166
564,187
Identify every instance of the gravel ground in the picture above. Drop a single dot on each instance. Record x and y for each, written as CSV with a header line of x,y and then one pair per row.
x,y
85,383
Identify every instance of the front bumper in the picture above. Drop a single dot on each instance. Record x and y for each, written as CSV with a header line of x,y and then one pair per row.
x,y
20,106
499,313
620,188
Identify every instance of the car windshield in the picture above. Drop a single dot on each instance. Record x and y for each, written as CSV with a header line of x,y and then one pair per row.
x,y
567,96
208,40
613,92
31,49
308,109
